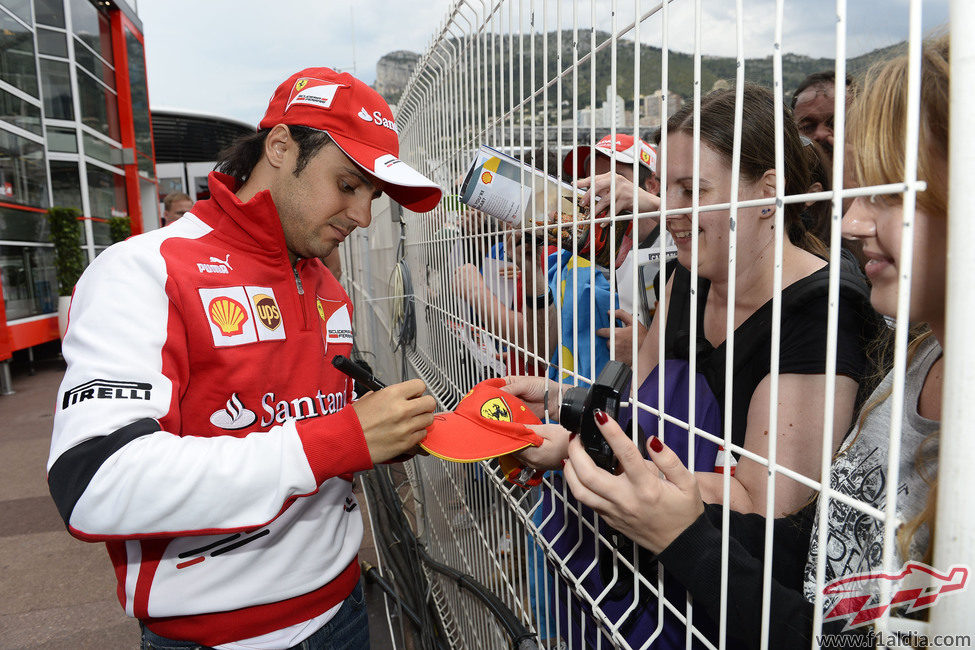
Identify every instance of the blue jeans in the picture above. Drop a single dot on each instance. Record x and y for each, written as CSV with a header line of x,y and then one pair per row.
x,y
348,630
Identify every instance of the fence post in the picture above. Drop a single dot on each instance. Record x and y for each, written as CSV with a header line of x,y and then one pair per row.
x,y
955,529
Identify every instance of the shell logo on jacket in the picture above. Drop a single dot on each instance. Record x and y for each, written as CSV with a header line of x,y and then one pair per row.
x,y
229,315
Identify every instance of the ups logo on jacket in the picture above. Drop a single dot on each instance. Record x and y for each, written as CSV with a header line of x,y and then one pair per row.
x,y
267,310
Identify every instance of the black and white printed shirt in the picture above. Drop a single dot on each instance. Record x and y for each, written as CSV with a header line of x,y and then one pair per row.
x,y
854,539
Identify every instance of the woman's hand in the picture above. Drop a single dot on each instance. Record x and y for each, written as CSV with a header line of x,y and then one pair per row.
x,y
532,391
650,510
601,186
553,450
555,438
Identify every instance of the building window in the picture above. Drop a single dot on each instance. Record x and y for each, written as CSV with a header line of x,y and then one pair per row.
x,y
61,139
66,184
20,8
101,235
106,193
140,94
169,185
92,27
93,64
56,82
101,150
21,225
29,280
17,55
146,167
52,43
21,114
23,174
50,12
99,106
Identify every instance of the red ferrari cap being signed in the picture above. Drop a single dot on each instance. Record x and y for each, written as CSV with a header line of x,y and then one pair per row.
x,y
487,423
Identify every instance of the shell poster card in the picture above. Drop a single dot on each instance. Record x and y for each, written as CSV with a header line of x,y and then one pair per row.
x,y
508,189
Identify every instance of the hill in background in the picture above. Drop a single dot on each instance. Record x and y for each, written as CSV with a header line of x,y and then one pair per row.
x,y
497,56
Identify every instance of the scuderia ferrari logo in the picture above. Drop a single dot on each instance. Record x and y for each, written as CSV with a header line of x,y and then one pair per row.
x,y
313,92
496,409
336,321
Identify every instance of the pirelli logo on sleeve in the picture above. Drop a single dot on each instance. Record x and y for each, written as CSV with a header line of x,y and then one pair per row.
x,y
107,389
242,315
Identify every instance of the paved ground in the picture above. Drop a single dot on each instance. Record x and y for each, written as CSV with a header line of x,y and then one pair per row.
x,y
56,591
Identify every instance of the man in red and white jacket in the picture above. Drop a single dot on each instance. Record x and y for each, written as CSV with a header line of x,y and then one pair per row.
x,y
201,431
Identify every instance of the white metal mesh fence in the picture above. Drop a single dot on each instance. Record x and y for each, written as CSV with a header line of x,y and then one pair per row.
x,y
447,297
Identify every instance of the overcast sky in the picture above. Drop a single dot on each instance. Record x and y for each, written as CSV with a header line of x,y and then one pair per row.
x,y
227,56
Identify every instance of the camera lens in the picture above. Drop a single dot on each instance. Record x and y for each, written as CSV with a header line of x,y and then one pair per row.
x,y
573,407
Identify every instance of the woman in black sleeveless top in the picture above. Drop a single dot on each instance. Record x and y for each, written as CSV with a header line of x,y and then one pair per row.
x,y
805,273
803,334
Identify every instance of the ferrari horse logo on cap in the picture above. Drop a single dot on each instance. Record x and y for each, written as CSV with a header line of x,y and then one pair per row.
x,y
496,409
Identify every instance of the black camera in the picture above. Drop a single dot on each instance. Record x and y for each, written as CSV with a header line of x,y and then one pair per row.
x,y
576,415
579,403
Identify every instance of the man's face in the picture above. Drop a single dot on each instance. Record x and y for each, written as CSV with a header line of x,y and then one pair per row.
x,y
324,203
603,163
814,114
652,184
178,209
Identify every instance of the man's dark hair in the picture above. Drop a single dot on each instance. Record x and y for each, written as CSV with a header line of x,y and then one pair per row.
x,y
240,158
816,78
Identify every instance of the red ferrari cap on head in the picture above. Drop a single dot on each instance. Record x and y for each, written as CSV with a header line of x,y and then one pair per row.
x,y
625,150
487,423
359,121
622,149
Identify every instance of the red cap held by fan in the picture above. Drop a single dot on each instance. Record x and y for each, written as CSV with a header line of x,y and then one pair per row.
x,y
487,423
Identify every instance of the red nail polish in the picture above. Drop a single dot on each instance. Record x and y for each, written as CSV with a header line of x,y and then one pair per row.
x,y
601,417
656,445
572,436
